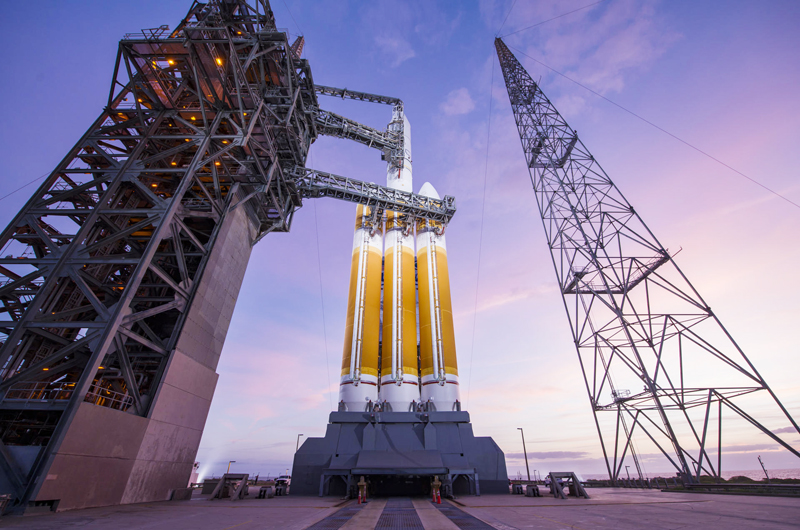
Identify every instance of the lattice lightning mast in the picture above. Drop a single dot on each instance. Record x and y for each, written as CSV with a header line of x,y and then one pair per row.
x,y
635,319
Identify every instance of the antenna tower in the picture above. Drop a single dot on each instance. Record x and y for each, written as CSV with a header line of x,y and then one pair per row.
x,y
632,312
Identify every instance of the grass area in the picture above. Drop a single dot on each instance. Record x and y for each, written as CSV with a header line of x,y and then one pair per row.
x,y
748,480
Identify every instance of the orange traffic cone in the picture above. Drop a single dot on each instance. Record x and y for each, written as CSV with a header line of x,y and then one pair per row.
x,y
438,498
359,496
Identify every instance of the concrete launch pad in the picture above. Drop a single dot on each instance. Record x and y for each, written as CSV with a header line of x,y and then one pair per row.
x,y
399,453
609,508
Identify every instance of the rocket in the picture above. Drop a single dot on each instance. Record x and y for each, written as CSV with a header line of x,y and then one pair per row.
x,y
399,368
391,330
359,379
437,343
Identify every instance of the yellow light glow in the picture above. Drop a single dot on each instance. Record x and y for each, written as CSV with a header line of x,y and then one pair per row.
x,y
219,61
193,118
45,369
174,163
140,100
101,367
187,139
245,114
224,141
154,185
216,163
238,32
171,61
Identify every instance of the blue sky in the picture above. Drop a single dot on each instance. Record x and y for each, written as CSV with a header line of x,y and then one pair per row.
x,y
721,75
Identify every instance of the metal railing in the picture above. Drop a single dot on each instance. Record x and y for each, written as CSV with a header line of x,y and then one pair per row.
x,y
43,391
40,391
108,398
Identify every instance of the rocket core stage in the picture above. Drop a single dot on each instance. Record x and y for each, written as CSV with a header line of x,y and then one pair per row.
x,y
381,362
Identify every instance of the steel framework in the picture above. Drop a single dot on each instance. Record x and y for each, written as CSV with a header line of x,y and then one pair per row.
x,y
631,310
100,267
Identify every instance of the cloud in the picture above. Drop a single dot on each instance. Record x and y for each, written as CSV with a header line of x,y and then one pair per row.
x,y
599,47
785,430
398,48
549,455
746,448
458,102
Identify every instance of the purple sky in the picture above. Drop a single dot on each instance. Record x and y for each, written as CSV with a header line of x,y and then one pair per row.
x,y
721,75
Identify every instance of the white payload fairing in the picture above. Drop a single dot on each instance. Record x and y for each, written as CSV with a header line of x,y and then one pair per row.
x,y
397,345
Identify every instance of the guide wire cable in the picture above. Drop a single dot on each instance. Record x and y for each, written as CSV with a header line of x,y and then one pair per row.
x,y
549,19
506,19
322,304
717,160
24,186
322,299
292,16
480,237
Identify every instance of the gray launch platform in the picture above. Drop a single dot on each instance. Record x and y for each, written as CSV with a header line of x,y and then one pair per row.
x,y
399,453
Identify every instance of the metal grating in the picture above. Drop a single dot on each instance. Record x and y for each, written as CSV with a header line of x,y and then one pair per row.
x,y
399,513
338,519
461,518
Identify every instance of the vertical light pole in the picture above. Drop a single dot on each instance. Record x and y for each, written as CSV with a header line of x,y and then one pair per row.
x,y
229,465
525,451
297,447
628,472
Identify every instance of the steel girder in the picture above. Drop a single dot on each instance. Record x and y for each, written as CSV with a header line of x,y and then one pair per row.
x,y
358,96
635,319
312,183
331,124
391,141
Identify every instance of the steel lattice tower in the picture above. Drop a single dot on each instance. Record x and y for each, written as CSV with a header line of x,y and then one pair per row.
x,y
119,277
633,314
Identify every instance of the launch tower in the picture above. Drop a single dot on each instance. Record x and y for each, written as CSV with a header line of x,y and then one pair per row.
x,y
119,276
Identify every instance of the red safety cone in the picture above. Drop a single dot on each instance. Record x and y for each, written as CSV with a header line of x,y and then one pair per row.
x,y
359,496
438,498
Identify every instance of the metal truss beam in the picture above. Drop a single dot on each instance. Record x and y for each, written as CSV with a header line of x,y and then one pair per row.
x,y
331,124
635,319
389,141
359,96
313,184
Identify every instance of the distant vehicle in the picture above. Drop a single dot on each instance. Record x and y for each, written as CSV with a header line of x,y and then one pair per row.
x,y
284,480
